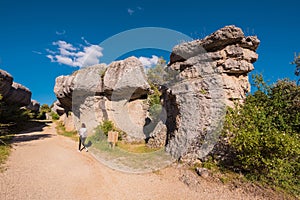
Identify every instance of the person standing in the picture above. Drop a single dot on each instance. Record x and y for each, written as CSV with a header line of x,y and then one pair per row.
x,y
82,137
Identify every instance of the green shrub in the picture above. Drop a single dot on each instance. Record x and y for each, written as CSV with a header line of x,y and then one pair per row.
x,y
12,113
265,135
54,116
155,111
155,106
43,110
106,126
101,131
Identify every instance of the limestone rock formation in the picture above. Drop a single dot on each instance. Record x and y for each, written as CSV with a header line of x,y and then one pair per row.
x,y
158,136
57,108
212,73
63,89
115,92
126,77
13,93
204,76
33,106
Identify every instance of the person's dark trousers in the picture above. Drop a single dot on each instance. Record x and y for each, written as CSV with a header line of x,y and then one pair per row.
x,y
81,142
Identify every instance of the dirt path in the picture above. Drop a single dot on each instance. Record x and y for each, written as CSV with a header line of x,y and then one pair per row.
x,y
44,165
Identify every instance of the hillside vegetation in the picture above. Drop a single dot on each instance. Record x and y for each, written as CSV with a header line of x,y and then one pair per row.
x,y
264,135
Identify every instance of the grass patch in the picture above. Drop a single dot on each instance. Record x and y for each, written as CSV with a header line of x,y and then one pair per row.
x,y
61,130
136,148
5,140
137,158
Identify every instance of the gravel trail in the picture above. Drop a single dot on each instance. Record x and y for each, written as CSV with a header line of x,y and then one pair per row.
x,y
44,165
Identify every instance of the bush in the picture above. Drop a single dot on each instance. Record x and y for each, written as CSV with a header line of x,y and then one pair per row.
x,y
54,116
106,126
43,110
12,113
265,135
155,106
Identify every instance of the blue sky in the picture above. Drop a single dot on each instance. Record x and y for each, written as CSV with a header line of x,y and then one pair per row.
x,y
29,28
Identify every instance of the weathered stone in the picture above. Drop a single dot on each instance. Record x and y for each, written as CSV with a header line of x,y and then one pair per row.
x,y
68,121
18,95
89,79
158,136
63,90
6,81
203,172
13,93
212,75
34,106
100,93
57,108
250,42
225,36
126,79
232,66
84,82
129,116
209,74
214,42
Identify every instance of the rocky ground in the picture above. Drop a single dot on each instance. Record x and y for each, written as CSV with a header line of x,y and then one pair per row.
x,y
44,165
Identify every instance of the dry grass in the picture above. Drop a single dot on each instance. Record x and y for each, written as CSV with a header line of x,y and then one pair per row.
x,y
136,148
60,129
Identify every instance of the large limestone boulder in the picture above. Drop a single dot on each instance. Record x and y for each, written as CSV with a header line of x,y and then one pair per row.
x,y
13,93
84,82
116,92
126,79
63,90
6,81
212,73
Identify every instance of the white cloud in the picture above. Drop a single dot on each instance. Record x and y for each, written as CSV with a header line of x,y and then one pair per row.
x,y
64,60
51,58
64,45
149,62
37,52
130,11
60,33
137,9
68,54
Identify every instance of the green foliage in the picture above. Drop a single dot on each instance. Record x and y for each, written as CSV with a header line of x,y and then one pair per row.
x,y
161,75
12,113
106,126
155,106
102,72
101,131
155,111
297,63
156,74
43,110
265,134
54,116
5,138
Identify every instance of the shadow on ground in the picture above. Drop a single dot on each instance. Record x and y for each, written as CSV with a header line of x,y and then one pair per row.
x,y
32,126
26,138
29,131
